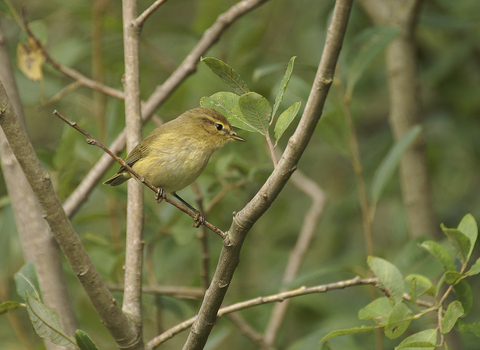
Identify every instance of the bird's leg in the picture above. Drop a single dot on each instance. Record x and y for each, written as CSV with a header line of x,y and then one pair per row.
x,y
160,195
198,219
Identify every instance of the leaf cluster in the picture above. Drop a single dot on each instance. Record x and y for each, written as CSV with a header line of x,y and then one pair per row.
x,y
45,321
404,299
249,110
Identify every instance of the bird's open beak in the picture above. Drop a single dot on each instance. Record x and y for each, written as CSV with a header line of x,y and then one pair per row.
x,y
238,138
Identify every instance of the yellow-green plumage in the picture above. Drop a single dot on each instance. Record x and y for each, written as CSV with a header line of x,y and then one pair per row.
x,y
175,154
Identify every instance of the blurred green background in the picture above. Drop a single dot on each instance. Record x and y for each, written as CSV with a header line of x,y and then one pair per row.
x,y
258,47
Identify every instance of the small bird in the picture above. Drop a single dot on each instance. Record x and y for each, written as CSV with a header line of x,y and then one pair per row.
x,y
173,156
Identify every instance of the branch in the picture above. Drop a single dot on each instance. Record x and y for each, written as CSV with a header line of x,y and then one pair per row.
x,y
132,296
38,244
279,297
298,253
93,141
175,291
405,109
138,22
355,160
203,238
72,73
162,92
117,323
248,331
244,220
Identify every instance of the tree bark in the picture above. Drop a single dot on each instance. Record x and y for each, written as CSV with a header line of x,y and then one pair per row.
x,y
405,109
37,242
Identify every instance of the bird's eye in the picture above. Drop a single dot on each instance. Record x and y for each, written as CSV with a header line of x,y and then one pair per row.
x,y
219,126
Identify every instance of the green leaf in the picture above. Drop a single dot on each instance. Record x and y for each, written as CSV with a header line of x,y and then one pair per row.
x,y
285,119
83,341
475,269
473,328
326,346
453,313
453,277
227,74
399,320
333,131
423,284
348,331
389,164
460,243
464,294
257,110
9,306
389,276
378,310
440,253
375,40
283,87
227,104
412,291
46,323
440,283
468,226
414,345
425,340
26,281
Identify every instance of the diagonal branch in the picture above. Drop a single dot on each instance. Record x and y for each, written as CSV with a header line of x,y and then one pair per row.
x,y
298,253
72,73
162,92
246,218
117,323
138,22
93,141
274,298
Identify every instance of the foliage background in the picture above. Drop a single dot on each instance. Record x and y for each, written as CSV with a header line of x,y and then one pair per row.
x,y
258,46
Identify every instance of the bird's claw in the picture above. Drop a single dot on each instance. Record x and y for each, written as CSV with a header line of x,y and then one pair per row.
x,y
198,220
160,195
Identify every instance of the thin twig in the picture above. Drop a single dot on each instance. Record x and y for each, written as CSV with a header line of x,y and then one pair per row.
x,y
72,73
279,297
93,141
175,291
248,331
357,168
59,95
271,148
203,238
225,189
138,22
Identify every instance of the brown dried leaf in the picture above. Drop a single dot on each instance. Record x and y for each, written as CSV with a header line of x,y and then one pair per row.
x,y
30,60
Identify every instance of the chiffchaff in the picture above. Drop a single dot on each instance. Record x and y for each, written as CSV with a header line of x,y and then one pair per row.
x,y
172,156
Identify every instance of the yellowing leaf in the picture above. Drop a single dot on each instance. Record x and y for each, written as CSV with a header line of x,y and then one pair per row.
x,y
30,60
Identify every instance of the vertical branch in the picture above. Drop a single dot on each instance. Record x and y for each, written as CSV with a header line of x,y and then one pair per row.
x,y
355,159
99,98
203,237
117,323
132,302
405,108
38,244
248,216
